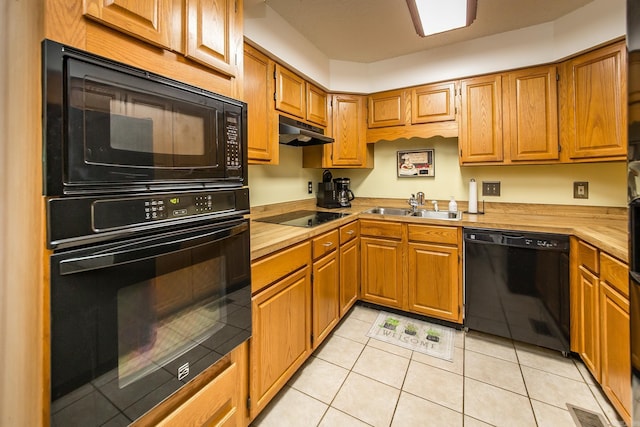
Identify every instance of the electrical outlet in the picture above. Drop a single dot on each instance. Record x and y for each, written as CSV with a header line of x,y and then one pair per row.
x,y
491,188
581,190
310,187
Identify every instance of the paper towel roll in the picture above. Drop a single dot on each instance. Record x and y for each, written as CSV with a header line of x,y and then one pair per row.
x,y
473,196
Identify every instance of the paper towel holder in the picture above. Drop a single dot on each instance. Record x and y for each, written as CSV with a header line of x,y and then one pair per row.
x,y
480,212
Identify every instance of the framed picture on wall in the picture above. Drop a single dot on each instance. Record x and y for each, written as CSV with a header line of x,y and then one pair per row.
x,y
416,163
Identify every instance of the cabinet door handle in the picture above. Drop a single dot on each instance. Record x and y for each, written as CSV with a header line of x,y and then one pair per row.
x,y
327,244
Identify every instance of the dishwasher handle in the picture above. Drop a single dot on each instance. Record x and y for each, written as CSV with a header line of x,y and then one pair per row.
x,y
538,241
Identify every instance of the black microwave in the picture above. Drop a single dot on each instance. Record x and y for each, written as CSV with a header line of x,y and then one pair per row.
x,y
110,127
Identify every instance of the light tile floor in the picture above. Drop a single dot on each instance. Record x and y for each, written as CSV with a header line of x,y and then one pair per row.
x,y
352,380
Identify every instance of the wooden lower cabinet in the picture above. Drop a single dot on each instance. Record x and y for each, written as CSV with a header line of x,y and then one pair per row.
x,y
349,266
600,321
216,397
616,350
590,315
281,315
416,268
382,262
433,281
216,404
434,271
325,285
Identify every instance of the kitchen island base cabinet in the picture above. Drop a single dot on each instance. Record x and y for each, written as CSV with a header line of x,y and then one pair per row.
x,y
281,315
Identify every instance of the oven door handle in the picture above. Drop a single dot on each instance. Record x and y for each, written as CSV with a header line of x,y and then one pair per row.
x,y
147,249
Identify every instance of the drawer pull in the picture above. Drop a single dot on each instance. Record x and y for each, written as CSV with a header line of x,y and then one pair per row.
x,y
327,244
350,232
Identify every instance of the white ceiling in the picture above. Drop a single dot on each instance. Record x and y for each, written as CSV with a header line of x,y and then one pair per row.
x,y
372,30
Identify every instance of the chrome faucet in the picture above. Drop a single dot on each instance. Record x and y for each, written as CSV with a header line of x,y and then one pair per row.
x,y
435,205
416,200
413,202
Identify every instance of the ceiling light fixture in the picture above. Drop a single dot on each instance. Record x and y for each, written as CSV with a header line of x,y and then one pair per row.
x,y
436,16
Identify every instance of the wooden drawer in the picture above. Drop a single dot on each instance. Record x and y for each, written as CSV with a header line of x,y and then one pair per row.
x,y
325,243
392,230
588,257
433,234
271,268
216,404
615,273
348,232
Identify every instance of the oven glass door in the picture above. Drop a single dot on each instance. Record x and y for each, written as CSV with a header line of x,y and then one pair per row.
x,y
131,322
122,127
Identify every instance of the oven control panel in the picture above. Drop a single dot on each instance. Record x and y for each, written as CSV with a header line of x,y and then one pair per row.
x,y
178,206
116,213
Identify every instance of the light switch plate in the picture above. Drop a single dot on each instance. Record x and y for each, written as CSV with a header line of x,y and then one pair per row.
x,y
491,188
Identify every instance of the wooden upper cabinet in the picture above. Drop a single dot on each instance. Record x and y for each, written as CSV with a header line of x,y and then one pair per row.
x,y
433,103
291,95
531,114
386,109
149,20
317,111
210,34
481,120
262,147
349,131
594,117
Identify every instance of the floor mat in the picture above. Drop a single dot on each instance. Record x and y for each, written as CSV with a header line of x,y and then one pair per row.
x,y
428,338
586,418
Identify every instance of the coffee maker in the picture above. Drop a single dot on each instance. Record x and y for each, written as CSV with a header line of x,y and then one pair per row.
x,y
345,195
334,193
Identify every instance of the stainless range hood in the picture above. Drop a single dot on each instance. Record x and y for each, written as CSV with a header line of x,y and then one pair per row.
x,y
300,134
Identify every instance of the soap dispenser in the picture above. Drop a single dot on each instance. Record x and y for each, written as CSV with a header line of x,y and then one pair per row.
x,y
453,206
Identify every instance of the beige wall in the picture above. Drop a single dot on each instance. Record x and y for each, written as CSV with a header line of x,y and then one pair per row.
x,y
547,184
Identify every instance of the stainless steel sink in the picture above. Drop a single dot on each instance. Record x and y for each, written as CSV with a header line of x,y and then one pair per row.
x,y
421,213
453,216
389,211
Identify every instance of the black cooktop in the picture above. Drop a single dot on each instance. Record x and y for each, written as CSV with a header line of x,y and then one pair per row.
x,y
303,218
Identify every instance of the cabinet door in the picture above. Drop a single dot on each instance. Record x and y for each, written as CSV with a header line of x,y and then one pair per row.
x,y
210,38
382,271
281,339
616,349
317,111
349,275
149,20
434,282
433,103
481,120
262,147
290,92
325,296
531,114
349,131
590,319
386,109
594,116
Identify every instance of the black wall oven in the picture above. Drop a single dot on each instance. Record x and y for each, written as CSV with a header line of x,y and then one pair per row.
x,y
145,185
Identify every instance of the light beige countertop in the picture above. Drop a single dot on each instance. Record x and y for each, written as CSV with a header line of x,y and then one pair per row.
x,y
602,227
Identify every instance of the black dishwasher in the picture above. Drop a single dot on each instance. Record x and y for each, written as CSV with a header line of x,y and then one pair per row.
x,y
517,286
